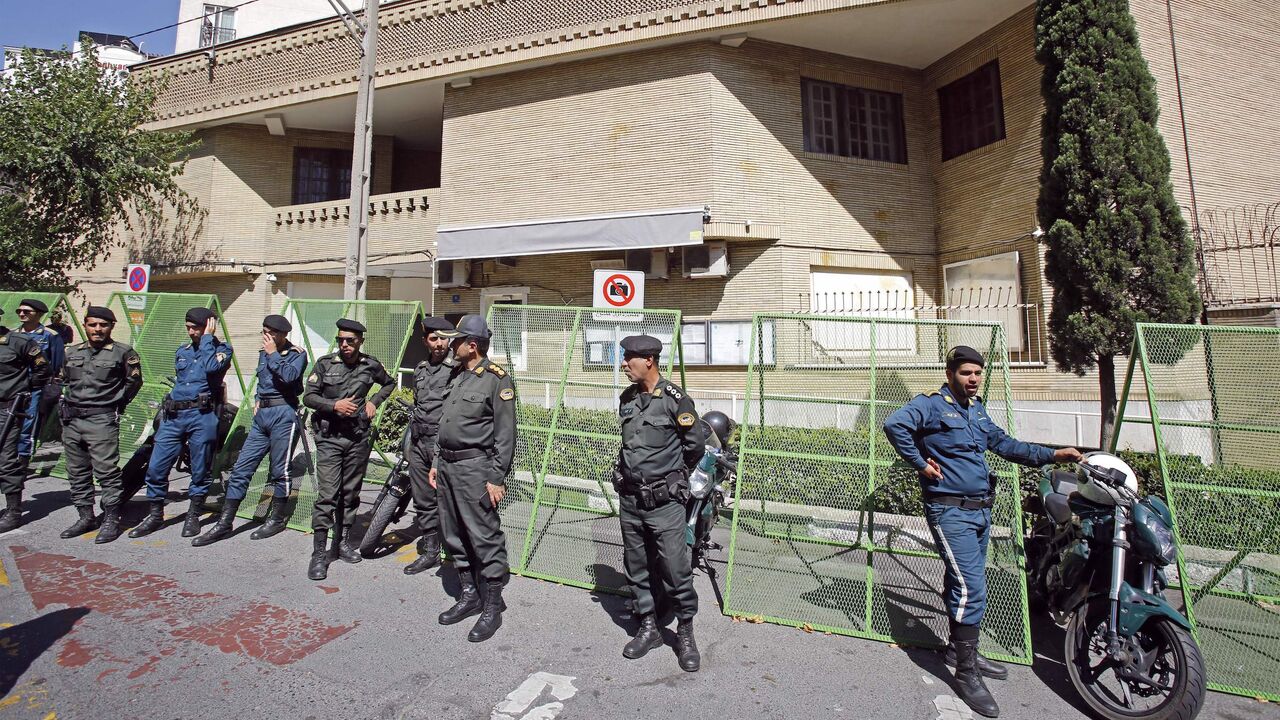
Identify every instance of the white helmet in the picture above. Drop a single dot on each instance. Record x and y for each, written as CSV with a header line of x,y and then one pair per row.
x,y
1100,492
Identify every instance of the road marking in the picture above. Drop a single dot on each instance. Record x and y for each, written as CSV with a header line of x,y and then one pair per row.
x,y
950,707
927,680
4,576
517,701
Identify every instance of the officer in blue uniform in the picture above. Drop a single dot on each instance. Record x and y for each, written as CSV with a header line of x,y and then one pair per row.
x,y
30,312
945,434
275,425
190,416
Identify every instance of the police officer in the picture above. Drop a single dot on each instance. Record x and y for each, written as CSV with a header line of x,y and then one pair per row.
x,y
429,381
661,440
337,390
190,416
22,368
945,434
30,312
100,378
275,424
474,452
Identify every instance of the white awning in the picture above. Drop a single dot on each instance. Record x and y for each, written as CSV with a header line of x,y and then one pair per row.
x,y
621,231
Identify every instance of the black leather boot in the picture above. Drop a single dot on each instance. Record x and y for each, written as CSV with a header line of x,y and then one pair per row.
x,y
344,551
191,527
468,603
428,554
988,668
647,638
110,529
81,526
276,520
152,522
222,528
686,648
319,567
491,616
12,517
969,685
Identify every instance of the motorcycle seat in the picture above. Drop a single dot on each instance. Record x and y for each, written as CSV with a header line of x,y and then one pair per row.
x,y
1057,504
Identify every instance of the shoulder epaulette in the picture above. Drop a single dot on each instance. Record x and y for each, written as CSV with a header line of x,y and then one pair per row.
x,y
497,370
930,393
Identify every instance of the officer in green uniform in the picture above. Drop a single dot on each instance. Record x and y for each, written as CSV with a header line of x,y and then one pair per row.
x,y
99,379
474,452
430,379
23,368
338,391
661,441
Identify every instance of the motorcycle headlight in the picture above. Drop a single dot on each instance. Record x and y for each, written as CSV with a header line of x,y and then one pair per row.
x,y
1154,538
700,485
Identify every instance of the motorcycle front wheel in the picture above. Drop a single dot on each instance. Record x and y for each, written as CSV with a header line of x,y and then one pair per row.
x,y
1163,678
385,509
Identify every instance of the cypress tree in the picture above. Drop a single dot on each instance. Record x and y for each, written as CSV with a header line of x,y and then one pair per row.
x,y
1118,250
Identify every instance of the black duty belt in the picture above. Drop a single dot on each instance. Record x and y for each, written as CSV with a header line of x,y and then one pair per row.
x,y
962,501
275,402
177,405
76,411
467,454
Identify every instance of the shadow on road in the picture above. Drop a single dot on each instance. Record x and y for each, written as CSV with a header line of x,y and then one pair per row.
x,y
23,643
1047,639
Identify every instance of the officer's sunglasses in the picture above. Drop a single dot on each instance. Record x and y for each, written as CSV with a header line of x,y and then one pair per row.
x,y
26,311
347,340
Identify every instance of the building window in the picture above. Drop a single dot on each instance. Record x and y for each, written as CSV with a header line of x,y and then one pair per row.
x,y
723,342
218,26
853,122
321,175
988,289
972,111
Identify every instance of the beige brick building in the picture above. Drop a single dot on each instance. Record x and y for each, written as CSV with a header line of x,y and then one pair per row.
x,y
858,156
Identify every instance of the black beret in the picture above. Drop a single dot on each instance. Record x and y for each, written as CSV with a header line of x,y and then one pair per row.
x,y
961,354
277,322
199,315
351,326
34,305
102,313
432,324
643,345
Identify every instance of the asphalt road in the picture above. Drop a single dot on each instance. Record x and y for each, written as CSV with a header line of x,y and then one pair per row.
x,y
154,628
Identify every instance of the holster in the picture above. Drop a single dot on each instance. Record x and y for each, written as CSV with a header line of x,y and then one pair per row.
x,y
653,494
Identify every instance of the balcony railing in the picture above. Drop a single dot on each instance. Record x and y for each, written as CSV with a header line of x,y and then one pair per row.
x,y
210,35
400,224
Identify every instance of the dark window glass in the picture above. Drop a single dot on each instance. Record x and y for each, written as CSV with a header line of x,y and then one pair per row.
x,y
321,175
972,111
853,122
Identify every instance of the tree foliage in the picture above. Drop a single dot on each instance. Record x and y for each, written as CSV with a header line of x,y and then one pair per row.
x,y
1118,250
76,169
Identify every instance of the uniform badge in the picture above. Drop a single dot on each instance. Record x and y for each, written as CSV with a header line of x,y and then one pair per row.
x,y
685,419
314,377
507,393
222,357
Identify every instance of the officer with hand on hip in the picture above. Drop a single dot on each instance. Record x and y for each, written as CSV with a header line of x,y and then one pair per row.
x,y
945,435
661,440
274,427
338,390
190,416
30,311
474,452
430,379
99,380
22,368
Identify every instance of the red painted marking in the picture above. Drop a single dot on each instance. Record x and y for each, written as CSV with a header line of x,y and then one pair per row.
x,y
73,654
258,630
328,590
147,667
105,673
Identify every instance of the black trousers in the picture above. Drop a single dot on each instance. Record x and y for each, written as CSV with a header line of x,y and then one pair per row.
x,y
470,524
657,535
425,503
341,461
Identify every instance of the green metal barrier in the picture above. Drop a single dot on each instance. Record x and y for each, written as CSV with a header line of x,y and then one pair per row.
x,y
1211,394
560,511
390,325
827,531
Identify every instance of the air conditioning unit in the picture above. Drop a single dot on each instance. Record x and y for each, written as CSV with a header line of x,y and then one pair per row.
x,y
453,273
651,262
708,260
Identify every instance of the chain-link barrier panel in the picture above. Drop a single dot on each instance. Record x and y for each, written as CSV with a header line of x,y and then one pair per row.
x,y
1209,395
389,325
560,511
828,527
50,430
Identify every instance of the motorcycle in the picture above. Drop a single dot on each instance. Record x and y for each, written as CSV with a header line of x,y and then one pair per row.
x,y
1096,557
709,483
392,500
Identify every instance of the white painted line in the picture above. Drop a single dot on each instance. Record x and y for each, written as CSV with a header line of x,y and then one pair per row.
x,y
518,701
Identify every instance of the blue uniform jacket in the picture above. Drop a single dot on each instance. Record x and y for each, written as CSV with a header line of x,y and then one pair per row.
x,y
935,426
51,345
280,373
200,368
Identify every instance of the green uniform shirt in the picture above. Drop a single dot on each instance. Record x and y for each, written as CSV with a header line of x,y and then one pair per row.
x,y
480,413
108,376
22,366
332,379
660,431
429,383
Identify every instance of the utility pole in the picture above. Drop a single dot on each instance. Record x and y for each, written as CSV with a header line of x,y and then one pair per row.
x,y
366,32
